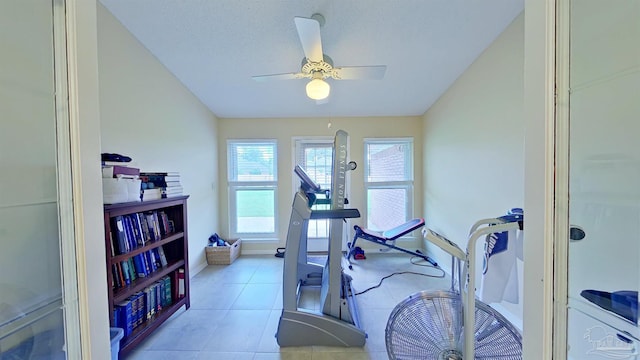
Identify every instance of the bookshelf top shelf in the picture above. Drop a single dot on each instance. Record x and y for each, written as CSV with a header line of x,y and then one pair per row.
x,y
146,205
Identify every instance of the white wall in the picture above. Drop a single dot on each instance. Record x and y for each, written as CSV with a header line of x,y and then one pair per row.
x,y
284,130
473,147
147,114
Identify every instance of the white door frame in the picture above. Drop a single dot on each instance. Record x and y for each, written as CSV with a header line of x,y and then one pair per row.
x,y
540,180
84,136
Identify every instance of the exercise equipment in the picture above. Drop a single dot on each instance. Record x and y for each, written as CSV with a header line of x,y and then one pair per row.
x,y
387,238
453,325
337,323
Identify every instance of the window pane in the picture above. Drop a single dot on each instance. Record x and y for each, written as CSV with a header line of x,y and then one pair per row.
x,y
388,161
253,162
386,208
317,161
42,339
255,211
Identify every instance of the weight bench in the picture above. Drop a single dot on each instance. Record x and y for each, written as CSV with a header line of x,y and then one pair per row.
x,y
387,238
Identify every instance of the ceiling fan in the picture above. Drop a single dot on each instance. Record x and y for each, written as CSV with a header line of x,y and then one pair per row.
x,y
317,66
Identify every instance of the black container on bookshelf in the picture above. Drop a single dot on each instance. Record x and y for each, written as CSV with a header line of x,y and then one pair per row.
x,y
147,265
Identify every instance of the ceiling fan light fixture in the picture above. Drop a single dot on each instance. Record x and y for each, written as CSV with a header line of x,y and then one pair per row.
x,y
318,89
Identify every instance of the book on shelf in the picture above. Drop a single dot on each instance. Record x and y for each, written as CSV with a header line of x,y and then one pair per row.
x,y
160,173
159,293
151,194
132,269
125,272
158,227
129,235
164,224
161,179
172,189
181,289
135,312
115,276
124,317
118,228
151,223
140,316
171,192
150,305
163,257
167,290
147,265
137,229
113,245
151,260
120,275
171,196
145,228
141,270
113,171
156,258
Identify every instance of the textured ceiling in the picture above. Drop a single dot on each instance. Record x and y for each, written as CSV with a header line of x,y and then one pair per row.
x,y
215,46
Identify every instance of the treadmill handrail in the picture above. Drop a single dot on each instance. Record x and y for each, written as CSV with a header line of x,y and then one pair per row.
x,y
335,214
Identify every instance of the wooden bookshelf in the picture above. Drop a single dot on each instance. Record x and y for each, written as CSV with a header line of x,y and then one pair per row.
x,y
172,240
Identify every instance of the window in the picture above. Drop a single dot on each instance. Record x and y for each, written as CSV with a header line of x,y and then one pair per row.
x,y
253,181
315,156
388,182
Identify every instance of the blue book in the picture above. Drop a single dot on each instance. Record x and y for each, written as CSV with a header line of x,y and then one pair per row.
x,y
116,317
137,229
151,260
131,239
126,317
141,316
145,261
134,311
141,270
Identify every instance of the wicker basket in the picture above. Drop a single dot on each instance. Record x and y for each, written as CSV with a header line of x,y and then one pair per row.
x,y
223,255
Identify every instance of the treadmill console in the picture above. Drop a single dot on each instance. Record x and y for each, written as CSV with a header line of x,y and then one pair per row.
x,y
307,183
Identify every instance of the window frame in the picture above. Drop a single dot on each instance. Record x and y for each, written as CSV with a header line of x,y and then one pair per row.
x,y
234,186
406,185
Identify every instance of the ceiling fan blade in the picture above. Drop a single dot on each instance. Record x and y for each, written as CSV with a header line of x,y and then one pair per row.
x,y
360,72
309,33
287,76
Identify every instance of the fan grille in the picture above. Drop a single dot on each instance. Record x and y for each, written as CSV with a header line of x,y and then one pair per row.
x,y
428,326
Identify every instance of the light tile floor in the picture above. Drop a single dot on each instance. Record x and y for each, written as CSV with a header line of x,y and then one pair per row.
x,y
235,311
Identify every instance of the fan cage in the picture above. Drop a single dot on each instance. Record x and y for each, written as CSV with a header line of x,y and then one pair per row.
x,y
428,326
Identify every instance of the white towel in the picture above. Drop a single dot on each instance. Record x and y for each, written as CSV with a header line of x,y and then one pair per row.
x,y
500,271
